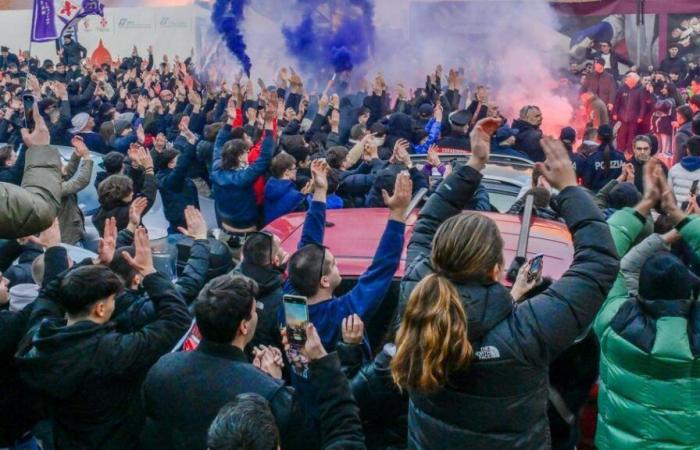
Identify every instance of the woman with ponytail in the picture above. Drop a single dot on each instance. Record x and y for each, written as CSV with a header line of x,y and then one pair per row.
x,y
604,164
474,362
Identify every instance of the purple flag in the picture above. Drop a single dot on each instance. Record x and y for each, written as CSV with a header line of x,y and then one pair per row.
x,y
44,21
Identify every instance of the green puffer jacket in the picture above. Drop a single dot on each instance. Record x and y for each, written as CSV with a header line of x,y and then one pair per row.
x,y
649,396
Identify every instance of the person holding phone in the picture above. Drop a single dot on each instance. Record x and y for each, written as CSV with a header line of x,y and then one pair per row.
x,y
313,271
494,357
184,391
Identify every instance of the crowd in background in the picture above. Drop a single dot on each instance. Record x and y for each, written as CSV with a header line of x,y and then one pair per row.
x,y
87,346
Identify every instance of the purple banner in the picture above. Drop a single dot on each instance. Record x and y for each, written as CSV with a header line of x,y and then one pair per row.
x,y
44,21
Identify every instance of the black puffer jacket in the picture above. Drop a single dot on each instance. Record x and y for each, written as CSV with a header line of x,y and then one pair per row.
x,y
528,140
514,345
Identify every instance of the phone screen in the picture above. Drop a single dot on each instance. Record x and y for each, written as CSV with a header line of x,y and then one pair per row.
x,y
694,188
296,314
536,264
28,104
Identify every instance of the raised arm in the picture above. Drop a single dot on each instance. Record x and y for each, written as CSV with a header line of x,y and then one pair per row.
x,y
365,298
551,321
132,354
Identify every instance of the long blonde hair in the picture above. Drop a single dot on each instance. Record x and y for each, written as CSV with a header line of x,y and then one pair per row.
x,y
433,341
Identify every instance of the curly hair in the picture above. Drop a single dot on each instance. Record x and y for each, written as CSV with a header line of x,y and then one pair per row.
x,y
114,188
231,153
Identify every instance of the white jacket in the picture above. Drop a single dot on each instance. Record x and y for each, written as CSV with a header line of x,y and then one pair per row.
x,y
680,179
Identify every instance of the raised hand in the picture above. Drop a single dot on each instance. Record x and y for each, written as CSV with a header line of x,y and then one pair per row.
x,y
196,226
557,168
270,110
398,203
108,243
353,329
136,210
142,262
319,174
40,135
80,148
480,138
433,158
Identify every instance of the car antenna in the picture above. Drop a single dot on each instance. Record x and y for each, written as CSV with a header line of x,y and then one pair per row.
x,y
521,252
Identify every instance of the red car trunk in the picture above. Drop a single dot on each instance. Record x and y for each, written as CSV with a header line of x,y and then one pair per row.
x,y
353,235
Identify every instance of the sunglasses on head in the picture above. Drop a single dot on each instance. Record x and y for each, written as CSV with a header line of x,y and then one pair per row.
x,y
323,249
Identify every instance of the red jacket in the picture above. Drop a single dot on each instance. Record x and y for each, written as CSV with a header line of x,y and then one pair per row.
x,y
259,185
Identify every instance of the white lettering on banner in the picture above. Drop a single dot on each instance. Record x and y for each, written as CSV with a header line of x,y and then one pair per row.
x,y
617,164
488,352
169,22
129,24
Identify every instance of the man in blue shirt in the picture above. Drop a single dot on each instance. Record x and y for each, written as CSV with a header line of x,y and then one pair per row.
x,y
313,271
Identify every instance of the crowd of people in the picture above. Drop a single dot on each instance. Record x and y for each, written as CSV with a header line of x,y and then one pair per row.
x,y
111,353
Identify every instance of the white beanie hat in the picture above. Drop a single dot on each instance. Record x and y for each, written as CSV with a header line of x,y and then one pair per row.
x,y
21,295
79,121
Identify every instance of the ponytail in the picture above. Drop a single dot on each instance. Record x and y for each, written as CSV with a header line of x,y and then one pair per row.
x,y
432,341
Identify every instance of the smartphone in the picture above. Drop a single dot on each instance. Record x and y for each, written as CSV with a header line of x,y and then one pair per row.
x,y
536,264
296,313
694,188
28,104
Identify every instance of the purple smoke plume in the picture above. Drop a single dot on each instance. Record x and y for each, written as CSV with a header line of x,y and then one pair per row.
x,y
342,41
227,16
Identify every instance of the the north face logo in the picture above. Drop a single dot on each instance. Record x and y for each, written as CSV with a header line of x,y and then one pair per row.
x,y
488,352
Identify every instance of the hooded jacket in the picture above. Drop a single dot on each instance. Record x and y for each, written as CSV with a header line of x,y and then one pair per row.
x,y
528,140
89,374
682,175
650,357
270,282
281,197
514,345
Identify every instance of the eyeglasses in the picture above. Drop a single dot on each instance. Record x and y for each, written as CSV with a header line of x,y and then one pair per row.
x,y
323,249
267,236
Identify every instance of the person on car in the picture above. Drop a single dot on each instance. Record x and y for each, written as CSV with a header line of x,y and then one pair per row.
x,y
479,351
648,330
502,143
90,375
233,179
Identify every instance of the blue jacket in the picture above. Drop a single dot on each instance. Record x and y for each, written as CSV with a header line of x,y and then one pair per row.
x,y
233,189
94,142
332,202
433,128
366,297
176,190
592,171
281,197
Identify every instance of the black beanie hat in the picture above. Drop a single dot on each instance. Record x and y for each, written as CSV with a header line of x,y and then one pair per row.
x,y
665,277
